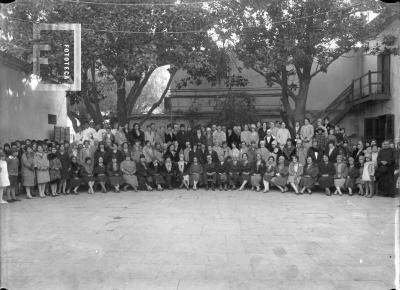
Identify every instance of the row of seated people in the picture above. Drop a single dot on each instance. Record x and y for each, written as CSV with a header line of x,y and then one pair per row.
x,y
227,173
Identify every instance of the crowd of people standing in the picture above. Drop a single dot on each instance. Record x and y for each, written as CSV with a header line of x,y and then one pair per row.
x,y
256,156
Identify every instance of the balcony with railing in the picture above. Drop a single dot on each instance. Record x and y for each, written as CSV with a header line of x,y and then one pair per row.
x,y
372,86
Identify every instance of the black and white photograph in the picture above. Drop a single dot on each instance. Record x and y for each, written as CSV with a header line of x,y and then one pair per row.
x,y
199,144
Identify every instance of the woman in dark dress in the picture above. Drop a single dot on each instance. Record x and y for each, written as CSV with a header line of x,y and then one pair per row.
x,y
326,174
75,175
352,176
65,163
245,171
114,173
210,173
87,174
233,168
171,153
385,171
28,170
359,151
100,174
136,135
114,151
281,177
310,176
157,173
257,172
125,150
270,171
143,173
54,170
102,152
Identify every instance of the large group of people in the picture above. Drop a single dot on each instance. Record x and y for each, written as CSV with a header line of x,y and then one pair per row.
x,y
256,156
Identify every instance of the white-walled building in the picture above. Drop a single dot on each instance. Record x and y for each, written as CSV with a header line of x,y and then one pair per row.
x,y
370,103
25,112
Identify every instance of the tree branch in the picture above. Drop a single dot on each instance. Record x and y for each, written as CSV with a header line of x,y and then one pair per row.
x,y
158,103
74,117
134,94
298,71
286,104
284,86
97,111
259,71
317,71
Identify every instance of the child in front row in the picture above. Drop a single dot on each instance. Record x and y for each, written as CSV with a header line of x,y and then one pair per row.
x,y
12,167
359,181
368,176
4,181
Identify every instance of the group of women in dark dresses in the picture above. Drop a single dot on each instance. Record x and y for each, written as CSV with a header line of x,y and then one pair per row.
x,y
66,168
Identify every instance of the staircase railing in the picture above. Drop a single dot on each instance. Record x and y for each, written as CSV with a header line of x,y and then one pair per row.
x,y
344,96
369,83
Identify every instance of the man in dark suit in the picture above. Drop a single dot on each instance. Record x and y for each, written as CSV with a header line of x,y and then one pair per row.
x,y
268,140
169,135
198,138
231,137
181,138
170,170
202,153
332,152
315,153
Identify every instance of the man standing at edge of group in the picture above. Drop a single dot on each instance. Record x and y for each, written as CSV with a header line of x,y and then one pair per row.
x,y
385,172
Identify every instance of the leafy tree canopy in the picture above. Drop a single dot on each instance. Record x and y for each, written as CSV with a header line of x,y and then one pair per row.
x,y
124,44
291,41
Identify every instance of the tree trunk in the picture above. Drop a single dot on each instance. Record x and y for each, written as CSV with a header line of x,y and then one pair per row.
x,y
74,119
96,112
299,112
287,111
122,114
89,97
137,89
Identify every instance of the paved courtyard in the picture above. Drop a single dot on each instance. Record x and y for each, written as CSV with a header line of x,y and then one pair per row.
x,y
179,240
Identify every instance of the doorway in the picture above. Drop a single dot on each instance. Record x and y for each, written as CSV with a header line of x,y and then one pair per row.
x,y
379,128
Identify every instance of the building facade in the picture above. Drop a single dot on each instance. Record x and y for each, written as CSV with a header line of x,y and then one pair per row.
x,y
360,92
25,112
200,101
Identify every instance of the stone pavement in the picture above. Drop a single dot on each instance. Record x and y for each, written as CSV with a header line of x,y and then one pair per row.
x,y
203,240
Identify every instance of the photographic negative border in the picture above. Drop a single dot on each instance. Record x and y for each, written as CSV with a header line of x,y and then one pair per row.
x,y
37,60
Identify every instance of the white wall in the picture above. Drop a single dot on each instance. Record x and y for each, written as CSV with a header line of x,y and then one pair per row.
x,y
23,111
355,122
325,87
